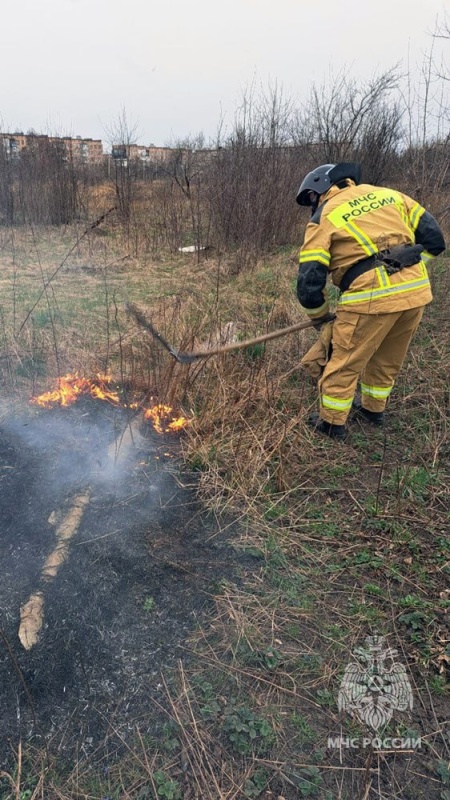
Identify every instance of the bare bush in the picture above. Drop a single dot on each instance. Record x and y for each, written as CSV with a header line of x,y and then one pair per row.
x,y
41,186
7,202
188,171
253,176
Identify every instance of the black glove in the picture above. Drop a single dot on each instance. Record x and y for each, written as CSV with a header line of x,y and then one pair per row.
x,y
317,323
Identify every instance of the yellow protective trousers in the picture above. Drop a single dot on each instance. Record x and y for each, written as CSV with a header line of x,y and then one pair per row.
x,y
366,347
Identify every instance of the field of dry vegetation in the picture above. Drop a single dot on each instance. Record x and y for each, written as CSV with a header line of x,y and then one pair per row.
x,y
341,541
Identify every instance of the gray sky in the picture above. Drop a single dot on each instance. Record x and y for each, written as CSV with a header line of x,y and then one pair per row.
x,y
71,66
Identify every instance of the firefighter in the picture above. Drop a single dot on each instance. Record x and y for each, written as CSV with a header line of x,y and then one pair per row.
x,y
376,243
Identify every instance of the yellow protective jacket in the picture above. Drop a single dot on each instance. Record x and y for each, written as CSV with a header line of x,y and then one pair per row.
x,y
353,223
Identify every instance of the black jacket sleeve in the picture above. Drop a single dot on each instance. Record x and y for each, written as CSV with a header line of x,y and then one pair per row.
x,y
429,234
311,281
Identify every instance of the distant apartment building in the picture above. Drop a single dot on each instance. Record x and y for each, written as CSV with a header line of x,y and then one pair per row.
x,y
13,143
89,151
135,152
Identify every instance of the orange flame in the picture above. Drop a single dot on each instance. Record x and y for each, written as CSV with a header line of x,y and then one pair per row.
x,y
159,415
71,387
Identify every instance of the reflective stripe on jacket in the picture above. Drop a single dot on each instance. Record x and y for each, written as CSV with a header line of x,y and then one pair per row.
x,y
356,222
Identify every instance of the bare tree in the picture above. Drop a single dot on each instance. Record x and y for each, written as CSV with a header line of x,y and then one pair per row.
x,y
121,135
344,120
442,31
425,152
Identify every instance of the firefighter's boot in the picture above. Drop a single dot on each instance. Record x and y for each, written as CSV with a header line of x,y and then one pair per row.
x,y
374,417
319,425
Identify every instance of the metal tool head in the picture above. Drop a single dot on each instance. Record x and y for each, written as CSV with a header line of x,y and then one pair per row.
x,y
188,358
182,358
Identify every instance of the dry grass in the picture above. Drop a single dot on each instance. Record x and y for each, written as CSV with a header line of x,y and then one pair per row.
x,y
341,540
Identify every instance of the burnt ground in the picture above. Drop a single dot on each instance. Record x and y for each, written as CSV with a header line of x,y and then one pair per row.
x,y
140,574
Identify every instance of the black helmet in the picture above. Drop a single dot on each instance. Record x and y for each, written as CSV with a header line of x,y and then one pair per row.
x,y
321,178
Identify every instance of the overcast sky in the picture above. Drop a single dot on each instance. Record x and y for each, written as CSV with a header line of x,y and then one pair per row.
x,y
70,66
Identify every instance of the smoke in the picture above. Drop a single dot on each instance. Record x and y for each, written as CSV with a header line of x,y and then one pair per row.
x,y
90,444
90,511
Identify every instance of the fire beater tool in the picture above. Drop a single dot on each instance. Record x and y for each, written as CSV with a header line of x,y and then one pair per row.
x,y
189,358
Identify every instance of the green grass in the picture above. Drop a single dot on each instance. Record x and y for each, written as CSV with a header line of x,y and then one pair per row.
x,y
346,541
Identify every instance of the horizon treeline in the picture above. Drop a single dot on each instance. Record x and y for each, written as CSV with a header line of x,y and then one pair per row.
x,y
237,192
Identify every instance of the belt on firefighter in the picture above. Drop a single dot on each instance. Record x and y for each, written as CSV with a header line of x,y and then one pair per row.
x,y
394,259
356,270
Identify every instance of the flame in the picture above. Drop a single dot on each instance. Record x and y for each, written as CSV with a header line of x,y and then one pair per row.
x,y
178,423
160,417
71,387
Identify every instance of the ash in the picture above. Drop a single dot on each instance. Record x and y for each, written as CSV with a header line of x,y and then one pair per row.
x,y
138,577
